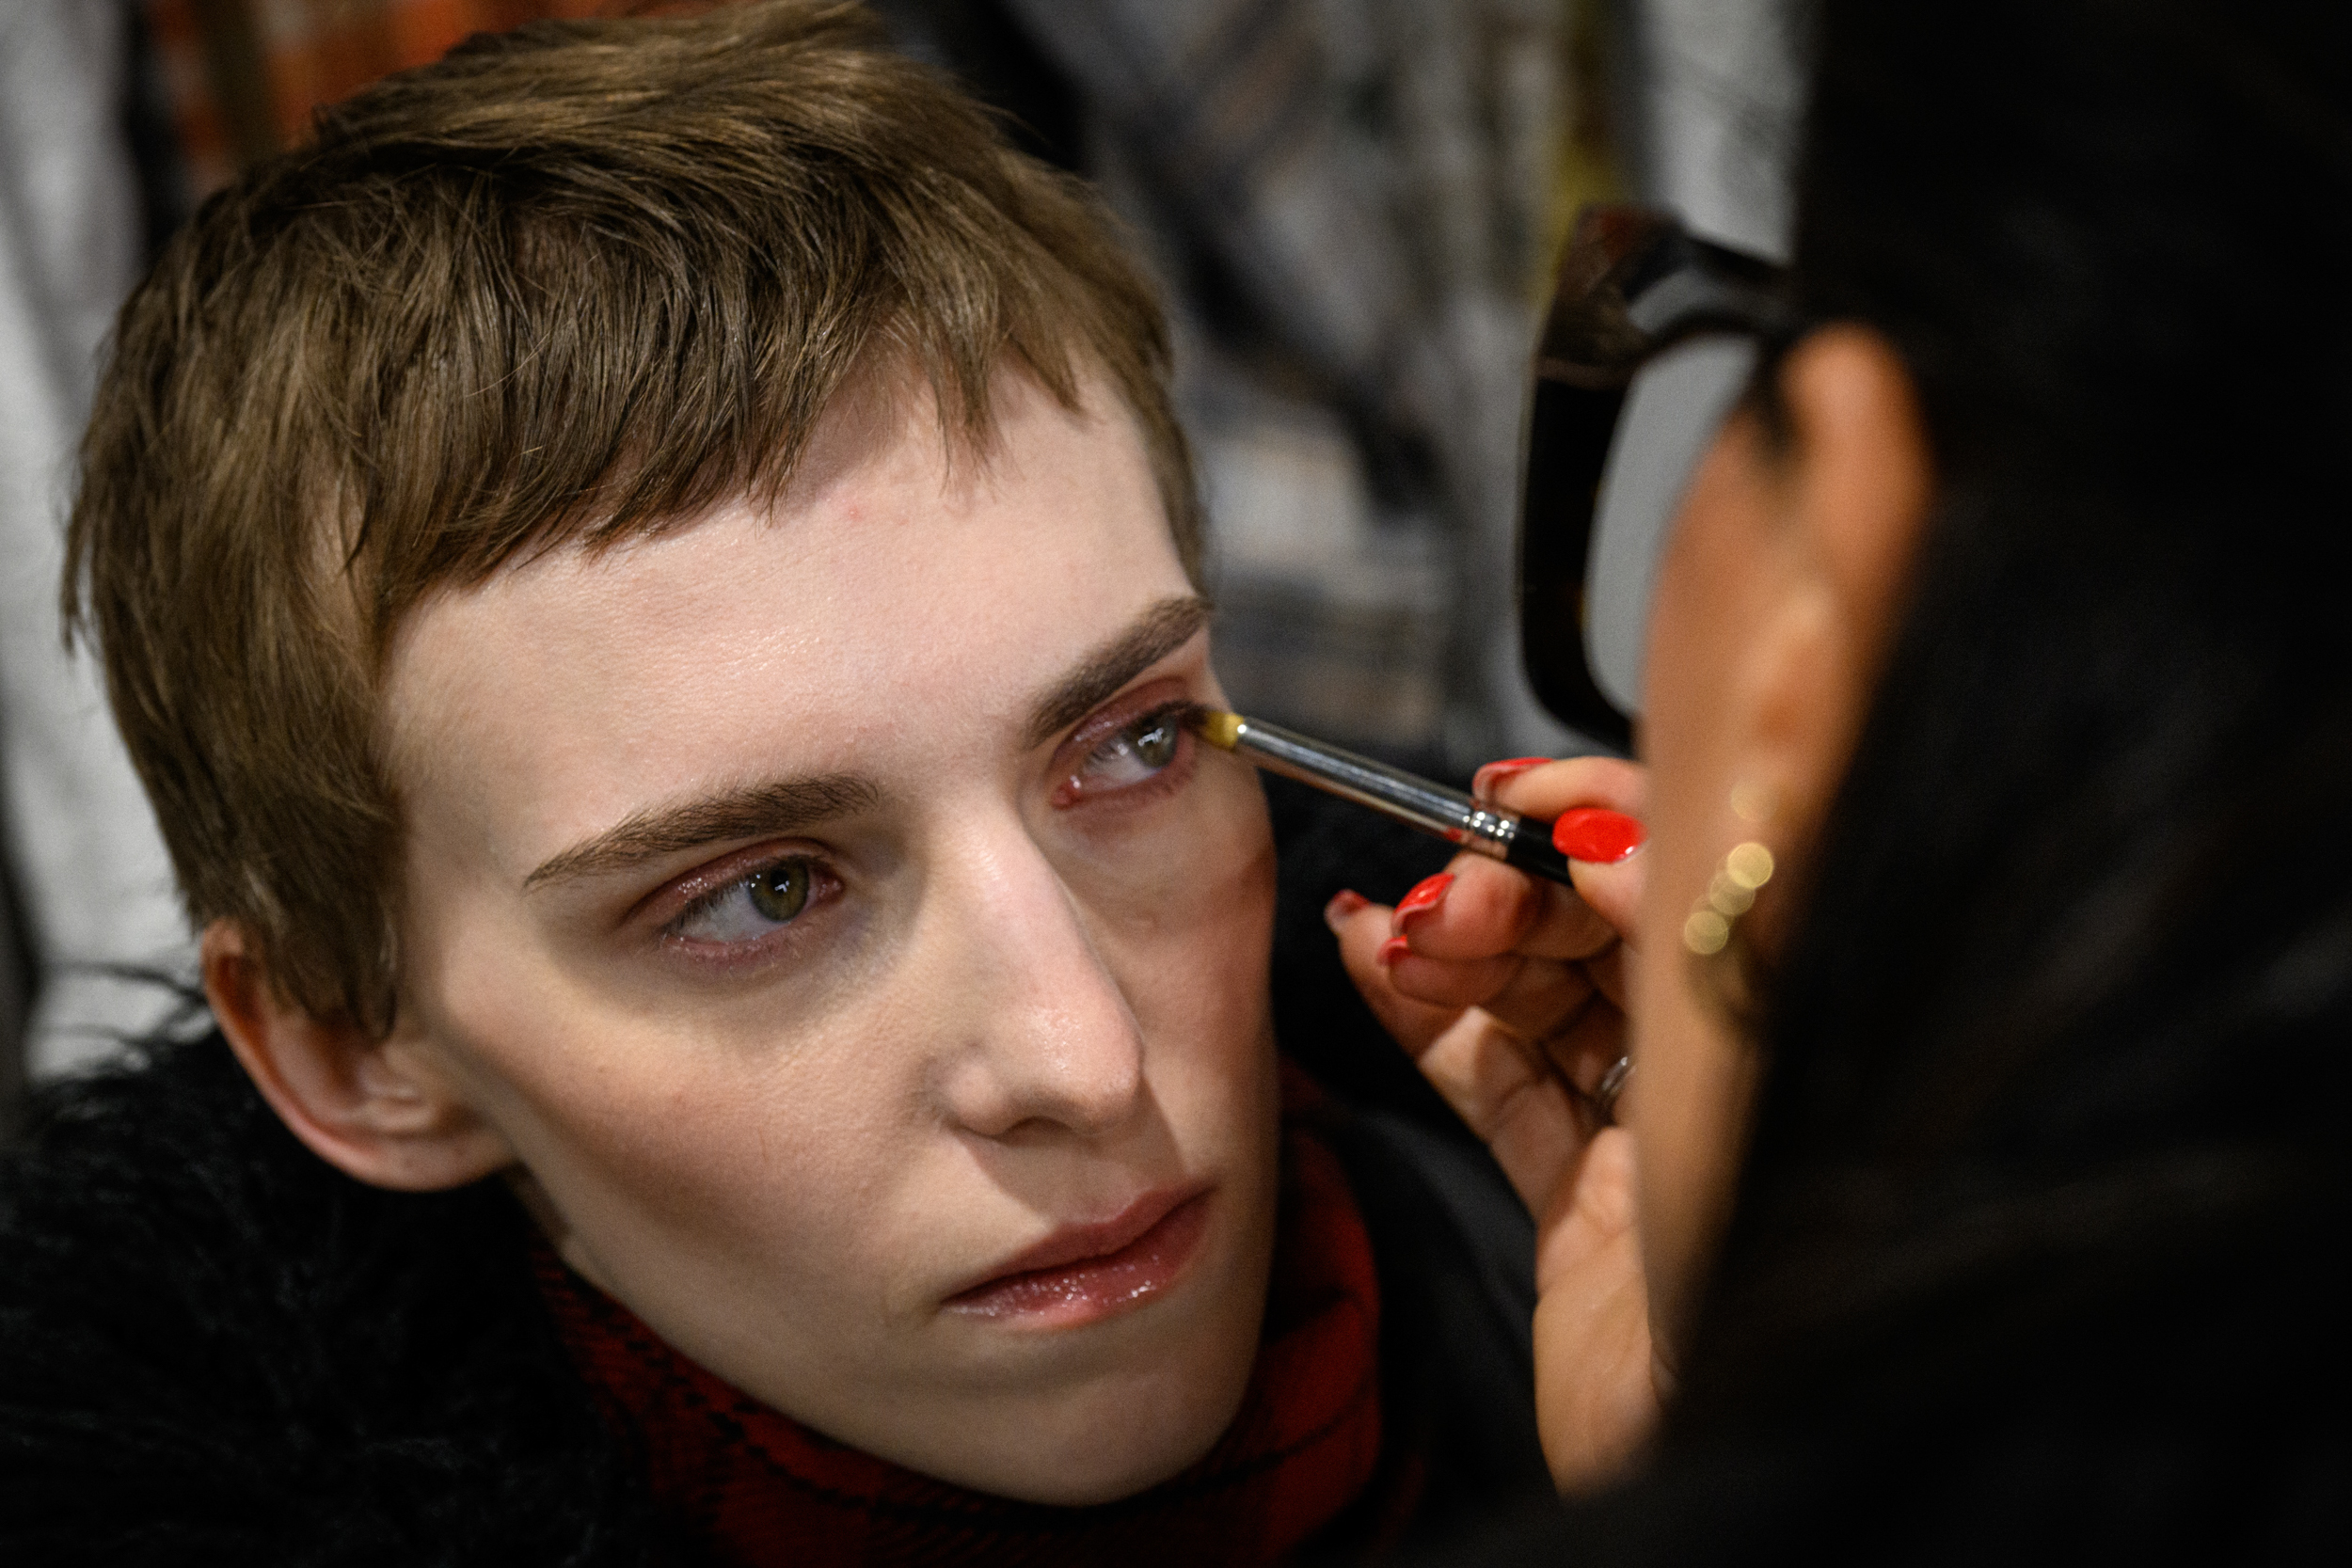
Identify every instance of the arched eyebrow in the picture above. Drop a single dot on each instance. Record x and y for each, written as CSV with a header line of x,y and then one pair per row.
x,y
758,811
1162,629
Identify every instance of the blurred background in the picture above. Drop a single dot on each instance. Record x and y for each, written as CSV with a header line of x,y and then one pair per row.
x,y
1353,206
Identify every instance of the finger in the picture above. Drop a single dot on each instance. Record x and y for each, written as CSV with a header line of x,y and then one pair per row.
x,y
1504,1092
1547,790
1449,983
1612,890
1607,974
1536,999
1597,1391
1629,1092
1363,930
1482,908
1511,1099
1586,1216
1585,1048
1543,998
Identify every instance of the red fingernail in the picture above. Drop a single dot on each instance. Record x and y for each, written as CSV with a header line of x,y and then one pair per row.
x,y
1596,834
1484,781
1393,949
1344,903
1427,895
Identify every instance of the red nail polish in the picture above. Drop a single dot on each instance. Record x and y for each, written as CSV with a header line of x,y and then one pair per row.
x,y
1484,781
1344,903
1393,949
1596,835
1427,895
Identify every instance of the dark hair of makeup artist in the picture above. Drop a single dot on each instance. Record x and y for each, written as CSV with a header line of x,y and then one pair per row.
x,y
2037,1246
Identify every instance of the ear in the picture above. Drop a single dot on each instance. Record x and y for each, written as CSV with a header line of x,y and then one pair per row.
x,y
1864,477
1852,488
386,1111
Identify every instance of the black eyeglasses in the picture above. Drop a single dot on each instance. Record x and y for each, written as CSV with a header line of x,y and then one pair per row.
x,y
1653,338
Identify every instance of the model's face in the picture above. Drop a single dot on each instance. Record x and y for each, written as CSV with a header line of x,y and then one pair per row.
x,y
869,978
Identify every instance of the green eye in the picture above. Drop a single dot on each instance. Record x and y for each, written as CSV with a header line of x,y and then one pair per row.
x,y
1155,744
750,908
780,891
1146,749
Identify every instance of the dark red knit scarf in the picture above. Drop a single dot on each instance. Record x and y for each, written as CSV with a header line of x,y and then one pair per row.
x,y
757,1488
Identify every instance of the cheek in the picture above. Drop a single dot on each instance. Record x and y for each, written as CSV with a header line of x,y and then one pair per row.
x,y
1705,585
652,1140
1710,599
1679,742
1692,618
1185,925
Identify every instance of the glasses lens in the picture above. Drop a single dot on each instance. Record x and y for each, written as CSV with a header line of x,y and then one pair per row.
x,y
1676,404
1650,342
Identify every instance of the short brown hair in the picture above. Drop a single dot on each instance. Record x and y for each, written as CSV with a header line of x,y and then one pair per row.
x,y
574,283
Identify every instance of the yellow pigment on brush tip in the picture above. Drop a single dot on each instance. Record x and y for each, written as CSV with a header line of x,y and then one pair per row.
x,y
1216,726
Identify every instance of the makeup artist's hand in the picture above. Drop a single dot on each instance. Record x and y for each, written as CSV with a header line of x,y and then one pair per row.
x,y
1509,992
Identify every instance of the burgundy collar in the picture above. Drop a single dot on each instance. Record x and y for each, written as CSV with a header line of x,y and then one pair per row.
x,y
754,1487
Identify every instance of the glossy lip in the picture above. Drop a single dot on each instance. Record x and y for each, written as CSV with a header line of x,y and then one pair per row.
x,y
1083,1272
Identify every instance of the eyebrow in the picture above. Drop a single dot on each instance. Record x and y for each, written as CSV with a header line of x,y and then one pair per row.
x,y
1167,627
785,806
795,805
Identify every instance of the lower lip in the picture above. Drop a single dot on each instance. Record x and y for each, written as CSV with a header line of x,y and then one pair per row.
x,y
1097,1288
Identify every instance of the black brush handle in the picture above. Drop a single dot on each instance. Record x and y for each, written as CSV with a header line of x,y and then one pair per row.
x,y
1531,850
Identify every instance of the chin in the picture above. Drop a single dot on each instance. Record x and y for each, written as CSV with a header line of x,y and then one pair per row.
x,y
1116,1407
1128,1434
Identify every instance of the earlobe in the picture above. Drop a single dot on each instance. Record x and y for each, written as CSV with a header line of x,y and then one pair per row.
x,y
375,1109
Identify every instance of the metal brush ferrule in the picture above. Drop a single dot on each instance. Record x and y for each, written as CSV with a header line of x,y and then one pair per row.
x,y
1433,808
1490,832
1517,841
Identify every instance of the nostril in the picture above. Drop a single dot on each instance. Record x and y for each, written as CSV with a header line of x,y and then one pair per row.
x,y
1029,1130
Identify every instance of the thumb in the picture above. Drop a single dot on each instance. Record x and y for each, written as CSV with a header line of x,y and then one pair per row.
x,y
1614,891
1612,888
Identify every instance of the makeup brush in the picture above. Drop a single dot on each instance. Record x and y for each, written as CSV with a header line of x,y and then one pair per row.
x,y
1515,840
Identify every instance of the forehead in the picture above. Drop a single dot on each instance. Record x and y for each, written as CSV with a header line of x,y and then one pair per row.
x,y
905,594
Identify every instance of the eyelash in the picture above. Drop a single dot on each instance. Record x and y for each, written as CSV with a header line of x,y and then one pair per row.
x,y
1097,740
724,883
1093,742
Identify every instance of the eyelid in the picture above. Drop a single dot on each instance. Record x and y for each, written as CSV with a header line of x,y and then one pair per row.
x,y
1071,788
1121,712
674,899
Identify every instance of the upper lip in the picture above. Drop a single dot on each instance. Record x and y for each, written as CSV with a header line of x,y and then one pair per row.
x,y
1076,1244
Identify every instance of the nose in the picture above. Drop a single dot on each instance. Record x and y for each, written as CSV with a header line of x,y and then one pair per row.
x,y
1049,1047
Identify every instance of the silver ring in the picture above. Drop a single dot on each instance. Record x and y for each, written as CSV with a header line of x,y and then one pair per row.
x,y
1611,1085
